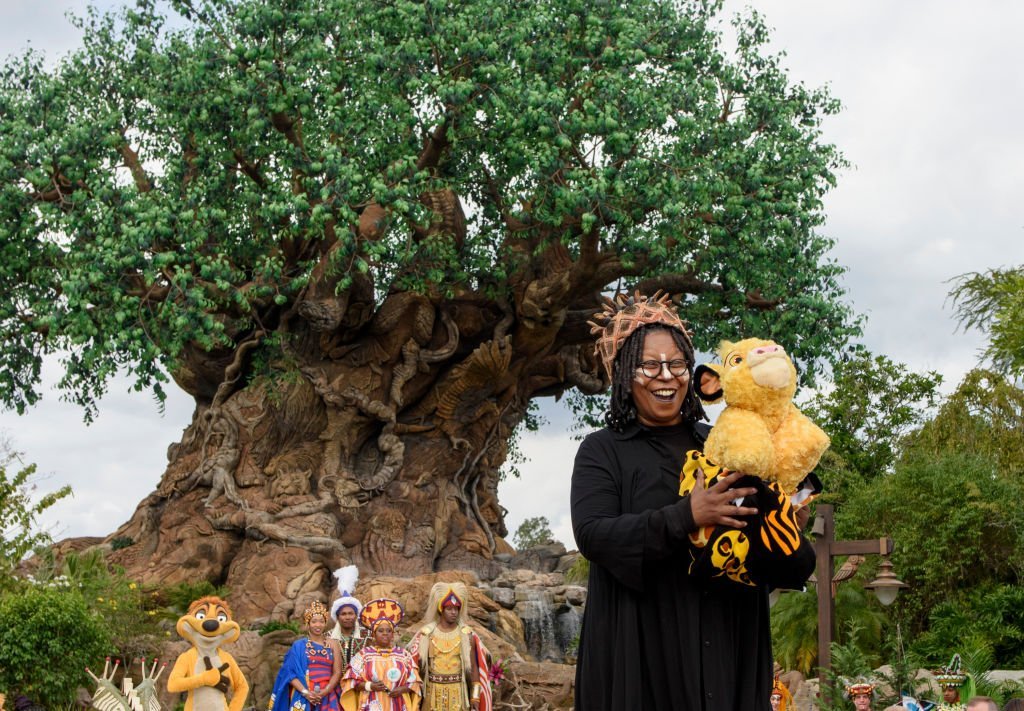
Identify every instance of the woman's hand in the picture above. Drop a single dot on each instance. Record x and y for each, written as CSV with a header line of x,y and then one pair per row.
x,y
398,691
714,507
314,697
378,686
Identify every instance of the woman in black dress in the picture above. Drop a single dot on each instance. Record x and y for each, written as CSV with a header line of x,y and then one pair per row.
x,y
655,638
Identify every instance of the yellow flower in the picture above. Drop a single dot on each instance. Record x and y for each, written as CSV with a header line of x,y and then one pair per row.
x,y
152,612
132,586
99,599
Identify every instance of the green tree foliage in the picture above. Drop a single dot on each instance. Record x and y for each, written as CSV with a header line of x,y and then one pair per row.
x,y
984,416
174,190
871,405
535,531
993,302
47,639
956,522
19,507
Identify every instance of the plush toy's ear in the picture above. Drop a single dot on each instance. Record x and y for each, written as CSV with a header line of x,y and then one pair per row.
x,y
708,382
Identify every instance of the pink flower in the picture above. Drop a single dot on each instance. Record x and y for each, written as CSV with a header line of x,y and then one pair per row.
x,y
497,671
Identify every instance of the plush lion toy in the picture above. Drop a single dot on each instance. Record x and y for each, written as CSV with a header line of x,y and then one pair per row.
x,y
205,671
761,431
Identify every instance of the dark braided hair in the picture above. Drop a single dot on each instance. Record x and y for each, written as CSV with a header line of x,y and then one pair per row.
x,y
621,408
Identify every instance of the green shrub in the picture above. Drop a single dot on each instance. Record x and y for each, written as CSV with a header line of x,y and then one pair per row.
x,y
178,597
47,638
121,542
274,626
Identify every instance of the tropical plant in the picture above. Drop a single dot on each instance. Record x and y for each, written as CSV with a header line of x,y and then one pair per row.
x,y
794,622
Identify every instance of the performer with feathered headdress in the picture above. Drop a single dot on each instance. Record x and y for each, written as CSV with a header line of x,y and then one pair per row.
x,y
345,613
451,658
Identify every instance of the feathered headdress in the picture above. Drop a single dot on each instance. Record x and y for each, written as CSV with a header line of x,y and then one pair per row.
x,y
347,578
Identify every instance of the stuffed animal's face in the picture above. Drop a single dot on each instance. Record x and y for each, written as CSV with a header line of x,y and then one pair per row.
x,y
753,372
207,621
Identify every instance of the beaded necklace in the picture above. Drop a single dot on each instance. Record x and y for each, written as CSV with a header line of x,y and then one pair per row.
x,y
438,636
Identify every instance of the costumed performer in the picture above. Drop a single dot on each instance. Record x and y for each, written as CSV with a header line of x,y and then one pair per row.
x,y
781,699
653,636
311,671
381,676
451,659
205,672
956,685
345,613
861,692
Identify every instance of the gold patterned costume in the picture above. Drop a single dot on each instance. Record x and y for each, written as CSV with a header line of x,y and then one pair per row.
x,y
453,663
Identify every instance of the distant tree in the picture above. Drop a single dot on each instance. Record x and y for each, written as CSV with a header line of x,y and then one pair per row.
x,y
993,302
870,404
534,531
19,508
364,235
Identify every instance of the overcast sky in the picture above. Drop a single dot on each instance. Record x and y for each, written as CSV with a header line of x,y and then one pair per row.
x,y
933,96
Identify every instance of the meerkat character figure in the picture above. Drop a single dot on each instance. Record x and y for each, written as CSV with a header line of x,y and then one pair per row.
x,y
205,671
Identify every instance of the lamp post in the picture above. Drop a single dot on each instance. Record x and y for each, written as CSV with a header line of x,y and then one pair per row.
x,y
826,547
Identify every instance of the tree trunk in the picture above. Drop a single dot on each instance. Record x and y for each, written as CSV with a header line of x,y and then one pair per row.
x,y
380,449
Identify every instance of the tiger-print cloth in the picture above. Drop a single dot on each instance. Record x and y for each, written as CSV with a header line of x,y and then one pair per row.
x,y
769,550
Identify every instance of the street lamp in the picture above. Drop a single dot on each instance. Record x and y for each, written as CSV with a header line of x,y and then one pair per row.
x,y
886,585
826,548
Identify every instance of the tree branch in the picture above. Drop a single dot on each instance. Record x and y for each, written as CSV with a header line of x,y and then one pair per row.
x,y
131,160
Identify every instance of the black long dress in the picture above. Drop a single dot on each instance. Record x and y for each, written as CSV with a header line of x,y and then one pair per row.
x,y
653,637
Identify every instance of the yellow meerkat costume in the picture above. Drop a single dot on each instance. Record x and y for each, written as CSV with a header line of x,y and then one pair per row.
x,y
205,671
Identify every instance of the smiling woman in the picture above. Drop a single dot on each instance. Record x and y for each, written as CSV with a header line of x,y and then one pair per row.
x,y
654,636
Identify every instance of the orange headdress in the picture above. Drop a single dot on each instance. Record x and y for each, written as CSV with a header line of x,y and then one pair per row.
x,y
623,315
779,689
381,610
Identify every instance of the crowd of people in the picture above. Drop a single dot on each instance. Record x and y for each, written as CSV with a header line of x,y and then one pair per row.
x,y
359,666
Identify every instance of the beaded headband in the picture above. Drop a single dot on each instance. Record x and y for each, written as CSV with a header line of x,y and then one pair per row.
x,y
381,610
860,689
623,315
315,608
950,676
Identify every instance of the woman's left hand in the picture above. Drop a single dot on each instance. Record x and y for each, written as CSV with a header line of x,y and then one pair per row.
x,y
398,691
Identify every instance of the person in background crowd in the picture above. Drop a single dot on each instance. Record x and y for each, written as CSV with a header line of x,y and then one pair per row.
x,y
345,613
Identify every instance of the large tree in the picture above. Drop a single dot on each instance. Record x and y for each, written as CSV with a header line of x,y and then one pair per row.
x,y
364,235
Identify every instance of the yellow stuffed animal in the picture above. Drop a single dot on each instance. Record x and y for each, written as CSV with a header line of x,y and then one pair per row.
x,y
761,431
205,671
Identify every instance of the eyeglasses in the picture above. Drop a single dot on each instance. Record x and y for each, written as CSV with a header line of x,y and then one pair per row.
x,y
677,368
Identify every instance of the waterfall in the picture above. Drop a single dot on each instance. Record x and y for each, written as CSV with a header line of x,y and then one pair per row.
x,y
536,609
568,620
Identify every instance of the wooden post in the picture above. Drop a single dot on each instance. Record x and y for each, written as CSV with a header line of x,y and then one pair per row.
x,y
826,548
